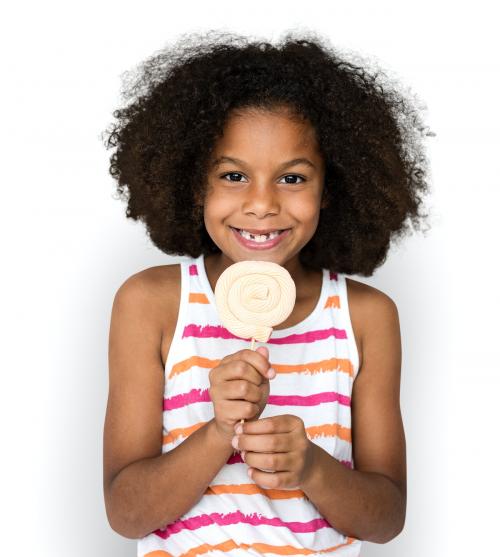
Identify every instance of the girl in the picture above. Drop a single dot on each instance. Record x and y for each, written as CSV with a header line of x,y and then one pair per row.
x,y
233,150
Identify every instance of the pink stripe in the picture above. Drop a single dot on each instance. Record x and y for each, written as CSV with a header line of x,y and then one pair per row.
x,y
218,331
199,395
310,336
310,400
235,458
237,517
185,399
207,331
193,269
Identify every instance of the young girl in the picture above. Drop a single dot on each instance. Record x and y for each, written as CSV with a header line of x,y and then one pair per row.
x,y
232,150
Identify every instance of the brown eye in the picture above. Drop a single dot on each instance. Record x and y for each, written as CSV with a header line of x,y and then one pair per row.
x,y
293,176
232,174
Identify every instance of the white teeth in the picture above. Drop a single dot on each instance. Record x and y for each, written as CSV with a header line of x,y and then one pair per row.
x,y
259,238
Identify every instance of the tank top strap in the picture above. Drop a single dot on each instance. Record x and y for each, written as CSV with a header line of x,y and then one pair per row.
x,y
197,281
337,304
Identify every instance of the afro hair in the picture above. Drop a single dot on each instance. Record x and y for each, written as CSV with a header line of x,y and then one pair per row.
x,y
176,105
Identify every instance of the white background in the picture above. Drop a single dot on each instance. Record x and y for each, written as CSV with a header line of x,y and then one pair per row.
x,y
67,246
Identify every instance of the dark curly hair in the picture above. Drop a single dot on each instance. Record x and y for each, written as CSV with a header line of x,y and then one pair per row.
x,y
178,100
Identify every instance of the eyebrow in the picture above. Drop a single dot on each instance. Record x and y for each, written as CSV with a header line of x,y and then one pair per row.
x,y
292,162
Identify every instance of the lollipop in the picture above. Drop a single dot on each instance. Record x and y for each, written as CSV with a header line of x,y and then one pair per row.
x,y
252,297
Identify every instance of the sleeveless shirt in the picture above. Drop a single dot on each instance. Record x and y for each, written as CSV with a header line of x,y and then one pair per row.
x,y
316,362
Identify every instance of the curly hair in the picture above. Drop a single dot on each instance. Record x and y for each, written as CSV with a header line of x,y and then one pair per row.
x,y
178,100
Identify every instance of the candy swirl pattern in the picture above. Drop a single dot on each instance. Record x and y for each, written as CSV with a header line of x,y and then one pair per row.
x,y
253,296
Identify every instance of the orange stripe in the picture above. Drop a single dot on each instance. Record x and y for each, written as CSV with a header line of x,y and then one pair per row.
x,y
229,545
332,302
279,550
290,550
337,364
254,489
199,361
198,298
324,430
330,430
181,432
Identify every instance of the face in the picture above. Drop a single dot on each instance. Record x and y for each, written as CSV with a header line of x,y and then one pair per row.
x,y
257,183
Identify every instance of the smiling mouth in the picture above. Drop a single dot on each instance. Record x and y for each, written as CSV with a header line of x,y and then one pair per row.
x,y
259,241
255,236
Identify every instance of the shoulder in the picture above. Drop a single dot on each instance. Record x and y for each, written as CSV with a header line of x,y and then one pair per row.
x,y
152,297
150,283
153,289
369,309
151,280
368,299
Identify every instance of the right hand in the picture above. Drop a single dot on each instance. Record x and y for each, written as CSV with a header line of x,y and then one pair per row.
x,y
239,388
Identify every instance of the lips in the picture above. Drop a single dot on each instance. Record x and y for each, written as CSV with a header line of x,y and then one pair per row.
x,y
268,244
259,232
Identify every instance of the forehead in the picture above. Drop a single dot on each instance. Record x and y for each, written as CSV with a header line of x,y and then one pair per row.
x,y
258,132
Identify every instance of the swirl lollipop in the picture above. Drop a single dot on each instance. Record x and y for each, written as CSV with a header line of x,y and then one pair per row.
x,y
252,297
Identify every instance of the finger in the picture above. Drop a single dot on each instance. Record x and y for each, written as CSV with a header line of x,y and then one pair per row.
x,y
274,443
276,462
283,423
271,480
240,389
234,410
264,350
239,370
270,373
255,358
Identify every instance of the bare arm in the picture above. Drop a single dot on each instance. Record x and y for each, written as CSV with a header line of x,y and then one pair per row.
x,y
151,493
363,505
369,503
144,489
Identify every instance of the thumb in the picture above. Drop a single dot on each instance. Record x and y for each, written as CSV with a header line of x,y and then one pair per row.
x,y
264,351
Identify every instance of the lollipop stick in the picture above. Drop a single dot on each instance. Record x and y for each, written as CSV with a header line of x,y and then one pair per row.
x,y
252,346
239,293
243,419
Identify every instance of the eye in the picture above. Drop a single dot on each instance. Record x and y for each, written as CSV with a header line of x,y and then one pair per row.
x,y
232,174
293,176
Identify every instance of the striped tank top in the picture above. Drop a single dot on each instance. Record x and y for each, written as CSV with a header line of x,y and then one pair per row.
x,y
316,362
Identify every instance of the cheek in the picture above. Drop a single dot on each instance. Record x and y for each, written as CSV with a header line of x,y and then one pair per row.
x,y
216,209
306,209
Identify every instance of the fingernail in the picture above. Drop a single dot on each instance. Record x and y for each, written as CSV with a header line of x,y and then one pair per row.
x,y
243,456
271,372
238,428
234,441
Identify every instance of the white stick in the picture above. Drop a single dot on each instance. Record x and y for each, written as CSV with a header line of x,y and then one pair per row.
x,y
243,419
252,347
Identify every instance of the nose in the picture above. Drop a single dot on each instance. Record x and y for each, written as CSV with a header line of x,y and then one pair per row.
x,y
261,200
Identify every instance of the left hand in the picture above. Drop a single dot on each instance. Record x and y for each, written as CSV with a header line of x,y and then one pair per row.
x,y
280,445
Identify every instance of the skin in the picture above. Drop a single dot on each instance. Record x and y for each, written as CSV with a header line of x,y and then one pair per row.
x,y
255,194
367,503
